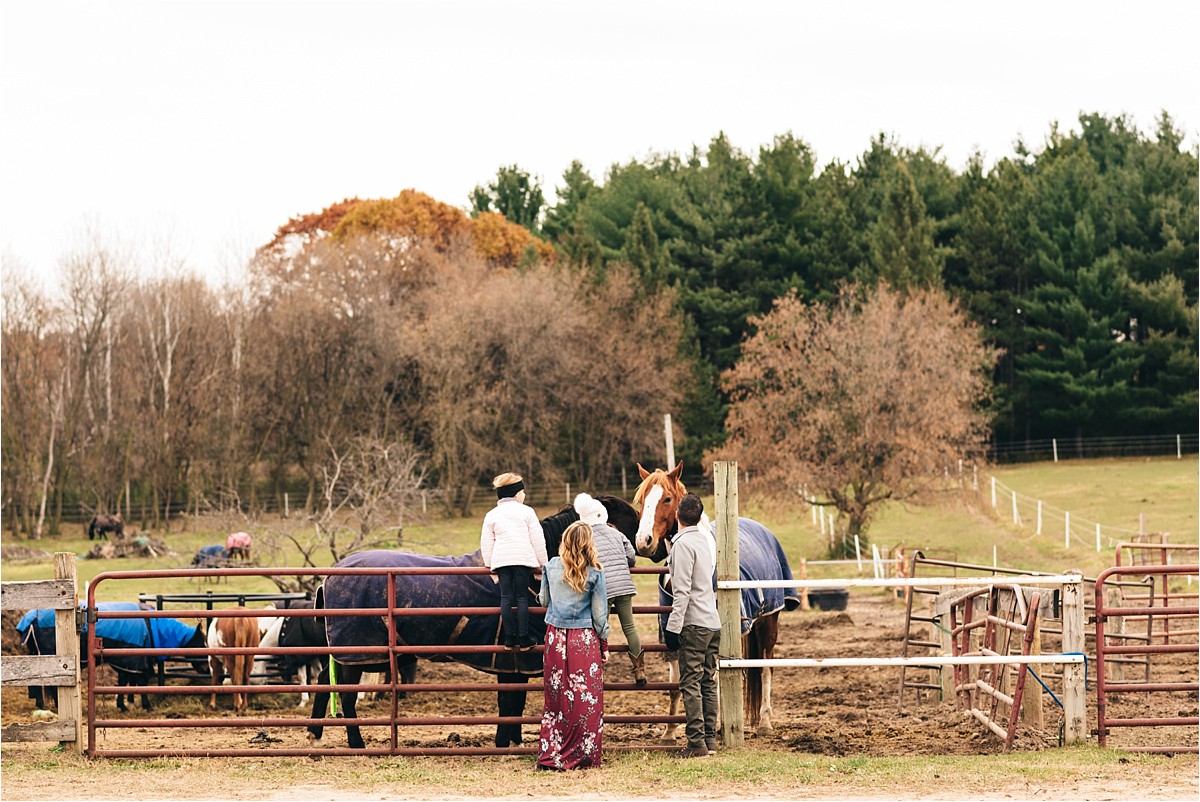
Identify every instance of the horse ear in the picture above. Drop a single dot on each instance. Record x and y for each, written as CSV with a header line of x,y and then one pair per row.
x,y
642,471
676,471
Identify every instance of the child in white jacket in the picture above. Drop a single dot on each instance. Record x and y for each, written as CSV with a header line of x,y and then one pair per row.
x,y
513,545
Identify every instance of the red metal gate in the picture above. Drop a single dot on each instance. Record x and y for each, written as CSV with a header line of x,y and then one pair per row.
x,y
1106,688
394,687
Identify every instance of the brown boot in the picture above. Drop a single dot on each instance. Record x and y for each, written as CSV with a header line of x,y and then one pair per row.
x,y
639,667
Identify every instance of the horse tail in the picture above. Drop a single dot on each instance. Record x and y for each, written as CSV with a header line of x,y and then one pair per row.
x,y
754,651
245,635
91,528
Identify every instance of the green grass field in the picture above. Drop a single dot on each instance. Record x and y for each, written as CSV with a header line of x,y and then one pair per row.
x,y
962,526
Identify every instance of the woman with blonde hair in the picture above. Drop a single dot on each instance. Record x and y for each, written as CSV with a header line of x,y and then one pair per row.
x,y
513,545
576,601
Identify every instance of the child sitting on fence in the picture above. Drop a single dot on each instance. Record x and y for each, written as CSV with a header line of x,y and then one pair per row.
x,y
513,545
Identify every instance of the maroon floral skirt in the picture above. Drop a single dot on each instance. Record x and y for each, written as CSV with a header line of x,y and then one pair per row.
x,y
573,718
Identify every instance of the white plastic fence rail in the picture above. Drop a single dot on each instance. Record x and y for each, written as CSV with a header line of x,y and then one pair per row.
x,y
805,662
933,581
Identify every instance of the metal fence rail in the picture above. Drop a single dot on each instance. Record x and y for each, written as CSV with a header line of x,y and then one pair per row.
x,y
390,653
1104,687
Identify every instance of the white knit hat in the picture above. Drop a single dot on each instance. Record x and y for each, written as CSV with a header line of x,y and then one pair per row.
x,y
590,511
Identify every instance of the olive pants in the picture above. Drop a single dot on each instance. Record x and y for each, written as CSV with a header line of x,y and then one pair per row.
x,y
698,681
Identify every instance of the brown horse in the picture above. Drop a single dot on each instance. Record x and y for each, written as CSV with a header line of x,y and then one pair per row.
x,y
232,633
760,557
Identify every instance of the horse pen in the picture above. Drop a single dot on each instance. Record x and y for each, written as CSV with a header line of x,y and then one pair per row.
x,y
834,685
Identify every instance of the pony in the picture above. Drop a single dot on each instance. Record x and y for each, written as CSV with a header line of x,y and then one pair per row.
x,y
101,525
232,633
37,633
456,590
760,557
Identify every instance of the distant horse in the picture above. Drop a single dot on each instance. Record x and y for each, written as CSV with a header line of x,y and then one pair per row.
x,y
37,631
238,545
214,556
351,592
101,525
760,557
232,633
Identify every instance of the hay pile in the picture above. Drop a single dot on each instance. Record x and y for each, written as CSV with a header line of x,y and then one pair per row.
x,y
131,543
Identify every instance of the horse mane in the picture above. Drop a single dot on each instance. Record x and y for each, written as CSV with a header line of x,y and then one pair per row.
x,y
554,525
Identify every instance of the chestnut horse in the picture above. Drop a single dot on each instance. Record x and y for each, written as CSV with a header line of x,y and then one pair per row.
x,y
760,557
232,633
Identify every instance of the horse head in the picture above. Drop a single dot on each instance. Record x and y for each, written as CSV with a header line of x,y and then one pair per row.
x,y
658,496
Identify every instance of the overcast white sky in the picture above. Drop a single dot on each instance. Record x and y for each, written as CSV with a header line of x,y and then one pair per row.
x,y
208,124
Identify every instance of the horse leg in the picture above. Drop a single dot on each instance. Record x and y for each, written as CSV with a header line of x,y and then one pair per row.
x,y
217,669
320,704
768,636
408,675
143,679
668,735
122,682
510,703
351,675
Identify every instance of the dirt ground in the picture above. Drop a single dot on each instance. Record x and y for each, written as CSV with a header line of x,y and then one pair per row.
x,y
835,712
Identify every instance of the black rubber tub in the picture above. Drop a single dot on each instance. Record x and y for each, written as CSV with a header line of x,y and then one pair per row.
x,y
829,598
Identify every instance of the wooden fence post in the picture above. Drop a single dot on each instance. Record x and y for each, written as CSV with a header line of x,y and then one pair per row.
x,y
729,602
66,644
60,670
1074,674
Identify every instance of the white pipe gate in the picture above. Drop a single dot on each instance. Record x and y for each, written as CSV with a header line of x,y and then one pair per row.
x,y
729,585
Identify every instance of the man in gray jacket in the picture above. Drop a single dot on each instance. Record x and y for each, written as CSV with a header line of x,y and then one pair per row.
x,y
694,627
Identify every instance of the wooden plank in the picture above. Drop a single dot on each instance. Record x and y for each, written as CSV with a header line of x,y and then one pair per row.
x,y
61,731
38,670
1031,699
43,594
729,603
66,640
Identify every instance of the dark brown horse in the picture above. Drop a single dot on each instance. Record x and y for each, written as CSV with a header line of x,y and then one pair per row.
x,y
101,525
760,557
348,591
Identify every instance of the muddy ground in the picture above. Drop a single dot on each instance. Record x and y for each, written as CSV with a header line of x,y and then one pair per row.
x,y
829,711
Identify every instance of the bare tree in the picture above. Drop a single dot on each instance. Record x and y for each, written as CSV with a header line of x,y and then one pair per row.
x,y
861,401
97,277
369,487
31,353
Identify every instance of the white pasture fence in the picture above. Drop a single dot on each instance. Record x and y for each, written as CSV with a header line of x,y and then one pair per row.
x,y
728,587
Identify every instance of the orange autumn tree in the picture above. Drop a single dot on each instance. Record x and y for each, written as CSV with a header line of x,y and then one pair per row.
x,y
863,400
410,219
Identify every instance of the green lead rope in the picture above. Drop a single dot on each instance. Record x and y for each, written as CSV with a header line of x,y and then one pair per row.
x,y
333,697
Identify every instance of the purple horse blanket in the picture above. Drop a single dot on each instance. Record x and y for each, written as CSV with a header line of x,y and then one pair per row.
x,y
760,557
370,591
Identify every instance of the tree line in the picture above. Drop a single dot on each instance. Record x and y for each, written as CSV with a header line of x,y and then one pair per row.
x,y
1078,260
550,338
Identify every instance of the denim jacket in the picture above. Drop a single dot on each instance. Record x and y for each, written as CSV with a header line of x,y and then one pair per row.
x,y
568,609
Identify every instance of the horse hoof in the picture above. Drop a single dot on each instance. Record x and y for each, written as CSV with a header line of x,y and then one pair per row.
x,y
763,732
